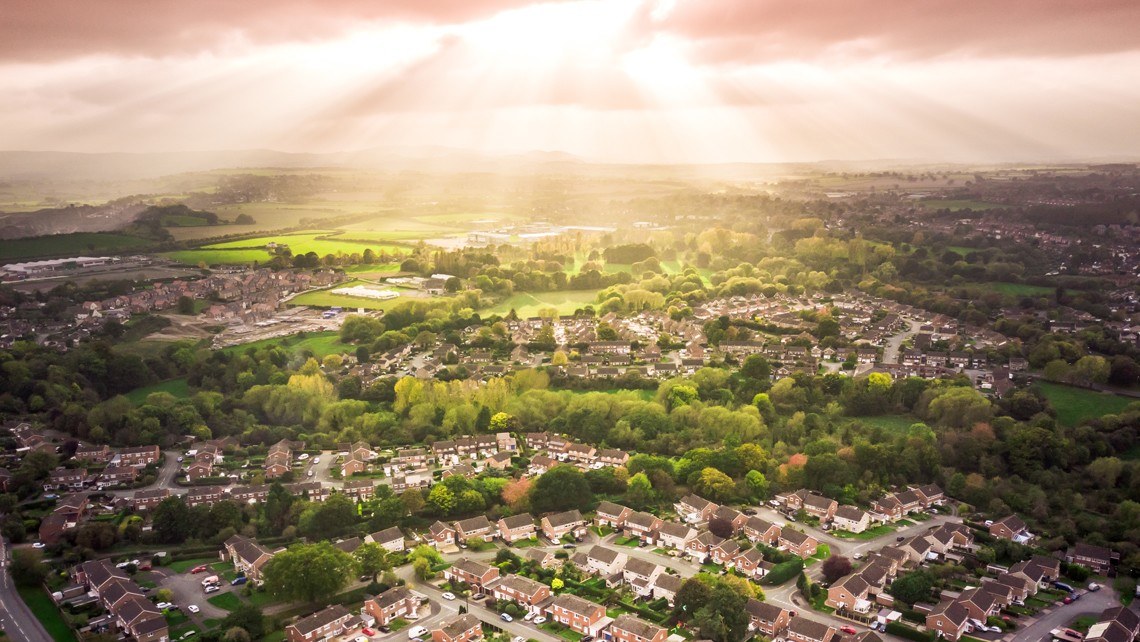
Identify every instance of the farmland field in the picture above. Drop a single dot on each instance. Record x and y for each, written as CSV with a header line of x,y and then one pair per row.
x,y
218,257
1074,405
528,304
69,245
177,387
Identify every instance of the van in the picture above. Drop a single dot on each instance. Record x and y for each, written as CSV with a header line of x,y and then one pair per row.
x,y
1063,587
213,579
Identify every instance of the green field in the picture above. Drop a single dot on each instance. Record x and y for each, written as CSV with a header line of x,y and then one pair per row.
x,y
177,387
226,601
326,299
40,604
1018,289
372,272
321,344
1074,405
320,242
218,257
68,245
528,304
958,205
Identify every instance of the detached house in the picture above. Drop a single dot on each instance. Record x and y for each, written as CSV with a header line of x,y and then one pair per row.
x,y
1011,528
801,629
476,574
950,619
797,543
460,628
570,522
694,509
523,591
396,602
642,525
766,618
852,519
674,535
517,528
612,515
247,556
761,531
390,539
475,528
849,594
441,534
628,628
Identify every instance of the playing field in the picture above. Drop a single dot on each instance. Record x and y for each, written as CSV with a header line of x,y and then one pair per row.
x,y
326,298
1074,405
528,304
69,245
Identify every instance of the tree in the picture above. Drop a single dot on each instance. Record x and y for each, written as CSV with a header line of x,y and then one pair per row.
x,y
27,567
164,595
691,597
639,491
185,305
714,485
441,499
516,494
836,567
912,587
329,518
721,527
1105,471
723,618
371,559
309,572
173,521
560,488
757,484
756,366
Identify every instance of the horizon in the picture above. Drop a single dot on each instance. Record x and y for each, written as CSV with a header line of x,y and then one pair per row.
x,y
628,82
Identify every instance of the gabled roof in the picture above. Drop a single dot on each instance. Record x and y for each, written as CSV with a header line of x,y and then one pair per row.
x,y
810,629
472,567
797,538
763,611
522,520
641,567
637,626
610,509
392,596
575,604
564,518
603,554
473,524
387,535
641,519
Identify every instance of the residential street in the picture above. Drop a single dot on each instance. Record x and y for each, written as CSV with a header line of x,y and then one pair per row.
x,y
16,619
1062,614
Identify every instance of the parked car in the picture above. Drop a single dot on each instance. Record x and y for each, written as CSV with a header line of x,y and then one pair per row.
x,y
505,617
1067,600
857,556
518,638
539,620
200,569
849,630
567,546
478,596
449,596
1093,586
162,606
316,460
416,631
39,545
213,588
193,608
1063,587
238,581
528,617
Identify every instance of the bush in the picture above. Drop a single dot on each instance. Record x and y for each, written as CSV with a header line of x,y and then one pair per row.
x,y
784,571
904,631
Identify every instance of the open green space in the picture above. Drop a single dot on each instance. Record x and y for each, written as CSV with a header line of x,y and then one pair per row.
x,y
328,299
1017,289
226,601
70,245
1074,405
322,243
177,387
529,304
40,604
321,344
218,257
870,533
958,205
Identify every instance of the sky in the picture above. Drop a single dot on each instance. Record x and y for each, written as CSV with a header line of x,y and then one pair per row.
x,y
658,81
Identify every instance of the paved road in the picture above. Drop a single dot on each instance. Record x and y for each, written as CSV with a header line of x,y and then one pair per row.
x,y
1062,614
15,618
894,343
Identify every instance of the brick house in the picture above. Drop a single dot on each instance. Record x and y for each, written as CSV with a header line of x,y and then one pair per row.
x,y
1011,528
149,498
761,531
471,572
460,628
517,527
674,535
628,628
725,553
1097,558
694,509
570,522
751,564
701,546
581,615
247,556
475,528
605,562
523,591
949,619
642,525
204,496
850,594
396,602
612,515
797,543
359,489
441,534
801,629
138,456
851,518
100,454
766,618
114,475
322,625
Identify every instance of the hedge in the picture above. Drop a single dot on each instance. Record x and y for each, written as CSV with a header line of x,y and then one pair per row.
x,y
904,631
784,571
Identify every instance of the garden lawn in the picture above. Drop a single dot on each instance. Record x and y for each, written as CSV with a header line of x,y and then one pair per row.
x,y
226,601
177,387
1075,405
40,604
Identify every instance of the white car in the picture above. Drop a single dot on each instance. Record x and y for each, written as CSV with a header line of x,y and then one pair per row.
x,y
213,588
193,608
539,620
316,460
449,596
361,638
505,617
164,605
303,456
416,631
39,545
528,617
122,564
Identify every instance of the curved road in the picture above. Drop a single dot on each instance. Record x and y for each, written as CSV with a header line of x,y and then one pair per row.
x,y
16,619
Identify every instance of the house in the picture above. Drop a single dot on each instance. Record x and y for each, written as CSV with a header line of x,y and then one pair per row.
x,y
642,525
65,478
725,553
544,559
389,539
605,562
801,629
931,495
612,515
613,457
539,464
322,625
849,594
517,527
766,618
665,587
694,509
979,604
114,475
471,572
248,556
888,507
139,617
100,454
674,535
570,522
1097,558
204,496
149,498
628,628
475,528
523,591
499,461
396,602
441,534
581,615
731,516
349,545
199,470
851,518
761,531
1011,528
312,491
414,479
359,489
700,546
751,564
459,628
950,619
818,506
797,543
139,456
641,574
352,465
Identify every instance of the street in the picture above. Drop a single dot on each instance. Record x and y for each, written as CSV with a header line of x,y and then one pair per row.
x,y
17,619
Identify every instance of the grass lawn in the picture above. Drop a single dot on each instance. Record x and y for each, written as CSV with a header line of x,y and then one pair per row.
x,y
218,257
561,631
627,541
601,531
818,604
904,522
870,533
526,543
329,299
261,599
70,245
1083,623
177,387
226,601
528,304
397,624
320,343
712,569
40,604
1074,405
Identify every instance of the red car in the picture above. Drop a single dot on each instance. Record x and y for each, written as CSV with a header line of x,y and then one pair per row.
x,y
1067,600
368,632
849,630
199,569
